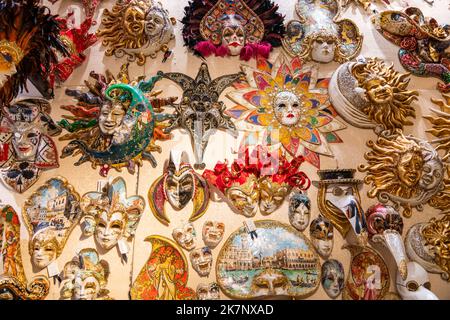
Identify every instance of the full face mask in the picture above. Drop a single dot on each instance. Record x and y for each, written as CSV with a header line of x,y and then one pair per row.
x,y
333,278
208,291
299,211
212,233
201,261
321,232
416,286
185,236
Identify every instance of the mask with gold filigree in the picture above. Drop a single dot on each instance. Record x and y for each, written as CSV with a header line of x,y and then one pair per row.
x,y
322,236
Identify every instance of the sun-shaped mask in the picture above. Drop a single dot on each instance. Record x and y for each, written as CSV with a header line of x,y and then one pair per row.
x,y
286,104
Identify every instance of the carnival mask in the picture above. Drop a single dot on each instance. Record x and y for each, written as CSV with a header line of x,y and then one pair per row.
x,y
299,211
45,248
416,286
321,233
201,261
319,34
236,27
208,291
370,94
212,233
138,29
178,185
185,236
85,277
288,108
110,215
245,197
333,278
200,112
396,168
116,125
270,282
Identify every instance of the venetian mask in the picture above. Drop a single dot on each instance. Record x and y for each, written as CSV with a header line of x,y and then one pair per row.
x,y
178,185
138,29
119,128
85,277
245,197
416,286
208,291
321,232
270,282
396,168
385,225
333,278
212,233
185,236
201,261
299,211
320,35
45,248
236,27
288,108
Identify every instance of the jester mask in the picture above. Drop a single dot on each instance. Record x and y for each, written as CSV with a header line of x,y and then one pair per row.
x,y
424,44
26,144
114,123
178,185
200,112
244,28
110,215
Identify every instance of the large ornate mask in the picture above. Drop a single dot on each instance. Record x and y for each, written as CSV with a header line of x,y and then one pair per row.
x,y
165,274
416,286
423,43
319,35
13,283
339,201
137,29
372,95
28,42
232,27
116,125
368,277
27,146
200,112
110,215
50,215
299,210
269,265
404,170
333,278
212,233
385,225
85,277
208,291
201,261
283,104
178,185
322,237
185,236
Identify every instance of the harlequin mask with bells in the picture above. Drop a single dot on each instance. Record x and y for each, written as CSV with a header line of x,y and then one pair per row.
x,y
321,234
201,261
385,225
26,143
185,236
416,286
208,291
424,44
110,215
370,94
200,112
212,233
85,277
29,39
137,29
232,27
299,210
319,35
115,123
178,185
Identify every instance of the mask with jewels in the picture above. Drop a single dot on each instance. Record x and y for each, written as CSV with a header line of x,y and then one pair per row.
x,y
178,185
321,233
110,215
333,278
416,286
299,211
201,261
185,236
212,233
232,27
208,291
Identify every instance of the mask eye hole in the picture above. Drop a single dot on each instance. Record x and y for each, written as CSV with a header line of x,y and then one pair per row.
x,y
412,286
427,285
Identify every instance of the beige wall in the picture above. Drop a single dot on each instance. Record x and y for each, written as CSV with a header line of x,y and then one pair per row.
x,y
347,155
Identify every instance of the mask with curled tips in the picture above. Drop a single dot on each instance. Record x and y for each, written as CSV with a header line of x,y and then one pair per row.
x,y
178,185
321,233
110,215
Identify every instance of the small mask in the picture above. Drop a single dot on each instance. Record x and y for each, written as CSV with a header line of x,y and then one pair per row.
x,y
201,261
417,284
208,291
299,211
270,282
333,278
185,236
212,233
321,233
44,248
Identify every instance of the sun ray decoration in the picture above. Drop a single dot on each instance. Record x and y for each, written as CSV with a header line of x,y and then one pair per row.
x,y
283,104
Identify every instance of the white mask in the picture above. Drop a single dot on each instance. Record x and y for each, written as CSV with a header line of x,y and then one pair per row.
x,y
417,284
